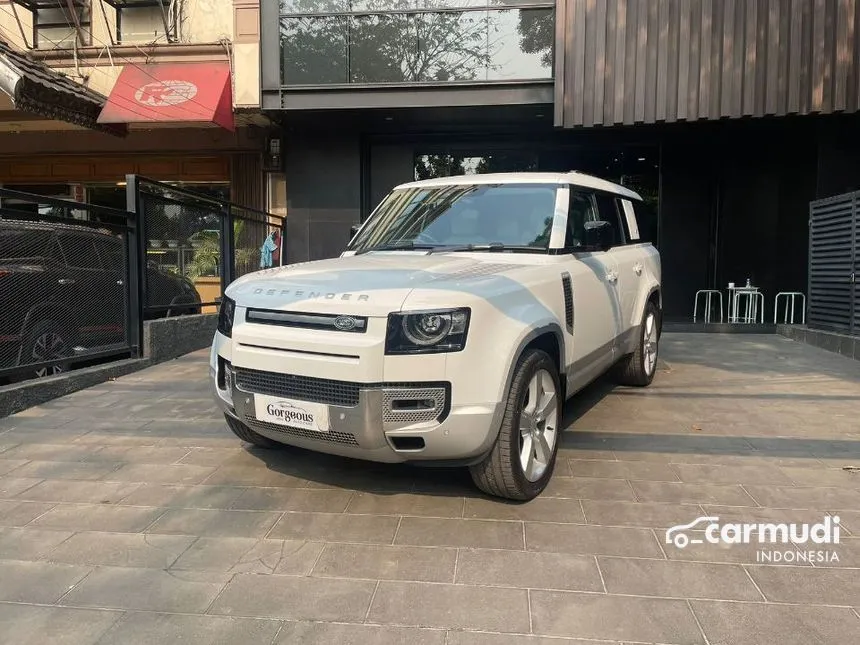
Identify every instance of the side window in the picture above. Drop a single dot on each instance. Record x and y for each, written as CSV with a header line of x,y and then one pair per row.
x,y
631,221
580,211
80,252
608,209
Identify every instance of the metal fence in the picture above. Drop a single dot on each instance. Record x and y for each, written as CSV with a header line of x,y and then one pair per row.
x,y
195,245
66,297
834,263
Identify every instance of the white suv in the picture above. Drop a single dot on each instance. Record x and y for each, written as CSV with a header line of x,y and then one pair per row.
x,y
465,311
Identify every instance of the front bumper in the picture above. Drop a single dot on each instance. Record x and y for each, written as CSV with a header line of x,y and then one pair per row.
x,y
365,419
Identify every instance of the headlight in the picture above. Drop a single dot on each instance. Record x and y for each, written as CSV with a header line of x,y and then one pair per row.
x,y
427,332
225,316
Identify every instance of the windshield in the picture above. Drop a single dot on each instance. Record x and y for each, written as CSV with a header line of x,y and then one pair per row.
x,y
518,216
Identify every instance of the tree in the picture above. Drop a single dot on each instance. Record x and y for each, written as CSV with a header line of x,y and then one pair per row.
x,y
537,33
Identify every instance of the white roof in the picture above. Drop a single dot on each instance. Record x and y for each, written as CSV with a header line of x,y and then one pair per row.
x,y
572,177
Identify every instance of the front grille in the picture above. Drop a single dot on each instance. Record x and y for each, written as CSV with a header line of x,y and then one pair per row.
x,y
331,436
303,388
319,322
391,414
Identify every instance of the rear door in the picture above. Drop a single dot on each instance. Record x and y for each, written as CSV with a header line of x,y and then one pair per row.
x,y
597,308
627,253
81,286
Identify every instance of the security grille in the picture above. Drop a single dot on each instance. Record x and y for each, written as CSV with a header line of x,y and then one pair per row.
x,y
331,436
64,288
834,262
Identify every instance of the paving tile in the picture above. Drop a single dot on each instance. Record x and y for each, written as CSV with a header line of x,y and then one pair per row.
x,y
37,582
79,470
804,497
98,517
451,607
589,488
584,454
487,638
199,496
136,628
377,562
537,510
617,618
765,624
295,598
78,492
206,456
121,549
405,504
250,555
147,589
333,527
755,515
215,523
308,633
253,476
139,455
31,625
293,499
730,553
161,474
714,474
623,470
686,493
479,534
808,585
14,486
640,577
29,543
8,465
528,570
643,514
13,513
592,540
833,477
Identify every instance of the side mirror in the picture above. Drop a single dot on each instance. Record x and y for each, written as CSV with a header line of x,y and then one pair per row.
x,y
599,236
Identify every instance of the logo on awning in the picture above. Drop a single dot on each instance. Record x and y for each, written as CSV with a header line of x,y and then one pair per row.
x,y
161,93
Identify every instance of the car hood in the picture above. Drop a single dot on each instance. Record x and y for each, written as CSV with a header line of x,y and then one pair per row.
x,y
374,284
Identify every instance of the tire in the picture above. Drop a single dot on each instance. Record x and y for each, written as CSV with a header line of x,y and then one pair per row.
x,y
638,369
502,473
246,434
47,340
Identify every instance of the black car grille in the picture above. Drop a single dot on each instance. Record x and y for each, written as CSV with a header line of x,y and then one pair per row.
x,y
331,436
303,388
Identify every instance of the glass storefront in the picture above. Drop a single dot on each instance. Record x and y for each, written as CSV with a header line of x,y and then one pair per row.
x,y
373,42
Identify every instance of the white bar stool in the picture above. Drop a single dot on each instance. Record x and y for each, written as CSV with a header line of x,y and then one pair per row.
x,y
708,296
751,298
790,308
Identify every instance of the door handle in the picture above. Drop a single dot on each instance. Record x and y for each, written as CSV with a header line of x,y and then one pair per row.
x,y
637,269
65,281
612,277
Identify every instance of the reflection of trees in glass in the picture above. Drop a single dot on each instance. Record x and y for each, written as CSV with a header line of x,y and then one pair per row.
x,y
388,44
430,166
537,33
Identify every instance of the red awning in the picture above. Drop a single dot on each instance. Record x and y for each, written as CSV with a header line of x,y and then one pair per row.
x,y
199,92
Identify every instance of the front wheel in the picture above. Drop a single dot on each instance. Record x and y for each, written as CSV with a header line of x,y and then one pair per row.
x,y
246,434
522,460
638,368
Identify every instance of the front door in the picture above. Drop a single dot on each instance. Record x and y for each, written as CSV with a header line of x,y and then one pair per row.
x,y
597,313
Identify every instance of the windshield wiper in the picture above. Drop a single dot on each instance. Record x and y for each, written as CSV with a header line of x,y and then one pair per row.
x,y
491,247
397,246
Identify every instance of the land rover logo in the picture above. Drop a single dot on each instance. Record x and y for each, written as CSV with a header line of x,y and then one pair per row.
x,y
345,323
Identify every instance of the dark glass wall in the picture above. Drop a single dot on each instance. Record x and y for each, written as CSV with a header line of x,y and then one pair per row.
x,y
378,42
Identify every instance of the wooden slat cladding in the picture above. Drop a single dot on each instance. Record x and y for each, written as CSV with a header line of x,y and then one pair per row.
x,y
652,61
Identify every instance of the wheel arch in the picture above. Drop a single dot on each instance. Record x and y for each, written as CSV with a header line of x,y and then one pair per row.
x,y
547,337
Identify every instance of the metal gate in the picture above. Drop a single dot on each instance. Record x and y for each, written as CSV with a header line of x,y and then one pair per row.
x,y
834,263
66,285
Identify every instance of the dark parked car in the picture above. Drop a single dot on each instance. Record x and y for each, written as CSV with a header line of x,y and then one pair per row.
x,y
63,293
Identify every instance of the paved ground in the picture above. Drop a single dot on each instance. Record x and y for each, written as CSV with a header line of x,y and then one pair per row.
x,y
130,515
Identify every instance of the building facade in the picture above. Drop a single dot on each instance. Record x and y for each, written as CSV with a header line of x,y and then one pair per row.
x,y
169,89
728,116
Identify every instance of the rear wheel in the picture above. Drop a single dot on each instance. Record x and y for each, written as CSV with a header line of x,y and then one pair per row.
x,y
246,434
522,460
638,368
46,341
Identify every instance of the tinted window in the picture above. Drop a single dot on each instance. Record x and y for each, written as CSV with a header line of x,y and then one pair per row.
x,y
581,210
19,243
607,207
80,252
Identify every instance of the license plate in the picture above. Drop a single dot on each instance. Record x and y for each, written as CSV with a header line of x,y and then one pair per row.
x,y
290,412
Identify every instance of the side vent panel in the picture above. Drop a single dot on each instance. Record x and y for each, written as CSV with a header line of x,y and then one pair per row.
x,y
567,288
